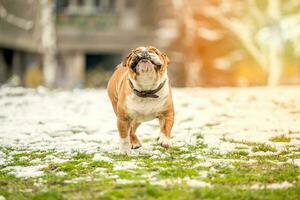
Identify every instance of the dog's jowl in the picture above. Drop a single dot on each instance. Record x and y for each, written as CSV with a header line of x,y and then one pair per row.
x,y
139,91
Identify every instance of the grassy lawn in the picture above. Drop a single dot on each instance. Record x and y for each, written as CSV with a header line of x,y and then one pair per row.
x,y
217,153
184,173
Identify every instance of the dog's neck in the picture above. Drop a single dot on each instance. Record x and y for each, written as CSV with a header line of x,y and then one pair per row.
x,y
148,81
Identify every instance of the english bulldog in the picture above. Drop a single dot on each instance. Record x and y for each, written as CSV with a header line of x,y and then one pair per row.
x,y
139,91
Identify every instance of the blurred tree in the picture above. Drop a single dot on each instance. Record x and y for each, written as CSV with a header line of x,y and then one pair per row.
x,y
188,33
264,29
48,37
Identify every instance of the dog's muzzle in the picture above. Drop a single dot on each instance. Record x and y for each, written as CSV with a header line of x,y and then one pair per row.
x,y
145,56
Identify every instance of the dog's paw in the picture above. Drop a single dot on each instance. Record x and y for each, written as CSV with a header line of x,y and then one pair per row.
x,y
125,150
136,145
125,147
164,141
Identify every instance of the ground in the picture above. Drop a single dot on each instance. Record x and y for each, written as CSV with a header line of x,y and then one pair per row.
x,y
229,143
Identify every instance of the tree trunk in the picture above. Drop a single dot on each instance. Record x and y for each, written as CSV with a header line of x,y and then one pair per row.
x,y
275,44
188,28
275,66
48,36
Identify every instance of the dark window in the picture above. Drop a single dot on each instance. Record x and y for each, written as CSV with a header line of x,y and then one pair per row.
x,y
99,68
62,5
130,3
97,3
80,2
105,4
112,4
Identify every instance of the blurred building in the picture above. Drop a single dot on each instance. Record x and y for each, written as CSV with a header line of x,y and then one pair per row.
x,y
92,37
209,42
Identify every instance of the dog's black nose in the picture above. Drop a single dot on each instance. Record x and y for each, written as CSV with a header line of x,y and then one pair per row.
x,y
145,54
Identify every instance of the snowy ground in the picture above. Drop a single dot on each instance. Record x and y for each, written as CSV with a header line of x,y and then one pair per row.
x,y
228,143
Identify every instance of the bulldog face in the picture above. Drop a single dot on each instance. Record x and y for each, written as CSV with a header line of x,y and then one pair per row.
x,y
146,61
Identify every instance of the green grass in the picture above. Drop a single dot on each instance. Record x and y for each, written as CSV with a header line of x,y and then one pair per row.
x,y
230,174
250,173
185,193
263,147
280,138
237,154
96,190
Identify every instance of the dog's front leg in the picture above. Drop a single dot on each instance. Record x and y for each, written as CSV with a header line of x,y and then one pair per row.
x,y
124,130
166,123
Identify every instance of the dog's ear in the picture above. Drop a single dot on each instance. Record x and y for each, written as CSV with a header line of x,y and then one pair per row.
x,y
164,56
166,59
126,59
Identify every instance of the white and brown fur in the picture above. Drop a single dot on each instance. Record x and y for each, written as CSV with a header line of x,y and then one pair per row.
x,y
130,109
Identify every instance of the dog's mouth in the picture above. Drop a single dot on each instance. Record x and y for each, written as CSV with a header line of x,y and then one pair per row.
x,y
145,60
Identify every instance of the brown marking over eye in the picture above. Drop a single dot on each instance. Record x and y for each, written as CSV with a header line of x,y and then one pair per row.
x,y
138,50
153,49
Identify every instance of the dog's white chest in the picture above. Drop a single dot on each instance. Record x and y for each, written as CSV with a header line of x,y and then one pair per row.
x,y
144,109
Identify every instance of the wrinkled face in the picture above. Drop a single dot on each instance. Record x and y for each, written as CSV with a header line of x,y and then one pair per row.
x,y
146,61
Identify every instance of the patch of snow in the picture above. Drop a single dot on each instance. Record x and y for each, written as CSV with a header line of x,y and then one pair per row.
x,y
197,183
61,173
100,169
263,153
2,158
79,179
125,181
27,190
295,162
98,156
149,175
125,165
26,172
113,176
54,159
203,174
189,182
281,185
83,120
204,164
